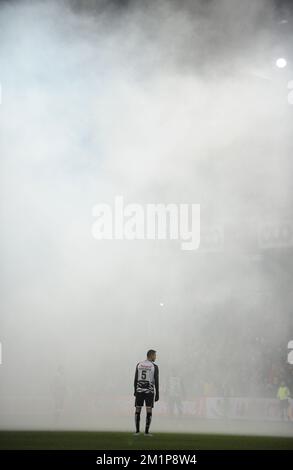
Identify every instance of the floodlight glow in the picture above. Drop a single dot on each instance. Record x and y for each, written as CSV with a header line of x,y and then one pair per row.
x,y
281,62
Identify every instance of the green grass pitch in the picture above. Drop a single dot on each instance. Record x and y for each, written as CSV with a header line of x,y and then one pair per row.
x,y
127,441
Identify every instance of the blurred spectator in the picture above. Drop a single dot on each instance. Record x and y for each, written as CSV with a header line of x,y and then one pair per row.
x,y
175,393
283,395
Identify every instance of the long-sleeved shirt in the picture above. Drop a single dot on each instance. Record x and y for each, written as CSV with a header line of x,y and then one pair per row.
x,y
146,378
283,393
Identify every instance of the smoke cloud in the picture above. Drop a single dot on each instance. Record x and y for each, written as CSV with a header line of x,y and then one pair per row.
x,y
160,102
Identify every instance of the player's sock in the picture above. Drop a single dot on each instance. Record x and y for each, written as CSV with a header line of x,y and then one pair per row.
x,y
137,420
148,422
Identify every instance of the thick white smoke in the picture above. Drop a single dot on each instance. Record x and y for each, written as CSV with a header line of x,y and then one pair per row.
x,y
159,102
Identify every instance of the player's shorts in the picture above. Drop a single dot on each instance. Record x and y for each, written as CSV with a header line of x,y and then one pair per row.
x,y
142,397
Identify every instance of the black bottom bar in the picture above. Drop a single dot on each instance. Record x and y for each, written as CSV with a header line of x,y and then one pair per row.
x,y
126,459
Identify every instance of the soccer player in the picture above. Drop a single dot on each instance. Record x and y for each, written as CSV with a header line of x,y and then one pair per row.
x,y
175,392
60,391
146,389
284,395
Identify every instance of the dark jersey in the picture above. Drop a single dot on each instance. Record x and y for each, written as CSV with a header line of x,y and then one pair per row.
x,y
146,379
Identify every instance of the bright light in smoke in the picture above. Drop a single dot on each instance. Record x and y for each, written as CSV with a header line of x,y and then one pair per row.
x,y
281,62
161,304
